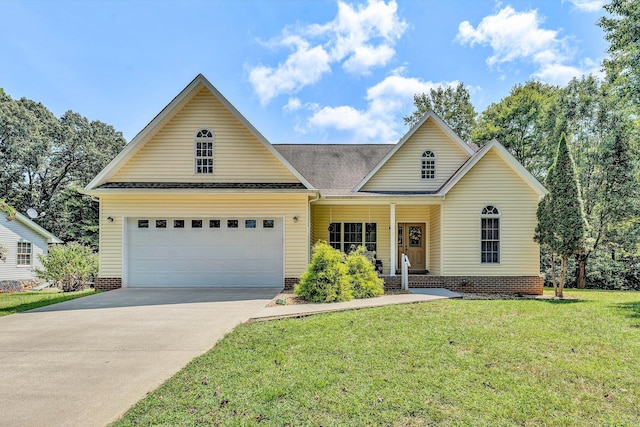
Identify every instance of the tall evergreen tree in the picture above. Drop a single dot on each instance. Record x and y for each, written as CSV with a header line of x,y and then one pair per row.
x,y
562,214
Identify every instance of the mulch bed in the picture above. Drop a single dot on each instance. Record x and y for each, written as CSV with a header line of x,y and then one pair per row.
x,y
290,298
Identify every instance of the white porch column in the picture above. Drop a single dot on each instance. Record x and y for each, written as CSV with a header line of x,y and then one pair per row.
x,y
392,238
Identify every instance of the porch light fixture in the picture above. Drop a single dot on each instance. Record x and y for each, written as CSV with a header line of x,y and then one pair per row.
x,y
110,218
295,218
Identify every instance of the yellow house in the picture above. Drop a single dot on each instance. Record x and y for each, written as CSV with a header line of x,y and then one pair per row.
x,y
200,198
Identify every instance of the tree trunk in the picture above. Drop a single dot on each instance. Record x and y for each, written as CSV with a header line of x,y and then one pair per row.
x,y
563,275
553,274
582,271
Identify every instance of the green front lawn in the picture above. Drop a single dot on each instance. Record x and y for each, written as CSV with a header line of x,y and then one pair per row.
x,y
451,362
16,302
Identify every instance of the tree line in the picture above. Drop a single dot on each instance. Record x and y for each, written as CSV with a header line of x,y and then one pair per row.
x,y
44,160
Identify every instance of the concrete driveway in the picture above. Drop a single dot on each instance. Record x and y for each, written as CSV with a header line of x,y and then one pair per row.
x,y
85,362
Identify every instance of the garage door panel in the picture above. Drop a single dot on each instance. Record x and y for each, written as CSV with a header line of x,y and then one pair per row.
x,y
205,256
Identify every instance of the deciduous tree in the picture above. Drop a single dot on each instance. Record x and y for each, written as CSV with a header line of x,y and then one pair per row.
x,y
452,104
519,122
622,31
41,155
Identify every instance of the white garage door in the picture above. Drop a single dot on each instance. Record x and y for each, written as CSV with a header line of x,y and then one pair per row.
x,y
204,251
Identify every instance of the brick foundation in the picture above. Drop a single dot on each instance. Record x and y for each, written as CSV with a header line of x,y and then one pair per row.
x,y
530,285
107,283
290,282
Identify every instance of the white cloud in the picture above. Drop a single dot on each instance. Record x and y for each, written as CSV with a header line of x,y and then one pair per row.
x,y
381,121
588,5
304,66
512,35
519,36
294,104
561,74
360,38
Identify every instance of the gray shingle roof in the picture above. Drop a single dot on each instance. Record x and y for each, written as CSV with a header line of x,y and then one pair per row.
x,y
334,168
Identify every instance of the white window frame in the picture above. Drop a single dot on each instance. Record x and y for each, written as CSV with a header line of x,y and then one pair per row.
x,y
203,136
428,157
340,244
494,213
21,253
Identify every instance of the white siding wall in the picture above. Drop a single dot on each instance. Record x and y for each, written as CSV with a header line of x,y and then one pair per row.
x,y
169,155
11,232
402,171
203,205
490,182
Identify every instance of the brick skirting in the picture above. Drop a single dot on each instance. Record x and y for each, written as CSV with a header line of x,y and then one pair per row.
x,y
484,284
290,282
531,285
107,283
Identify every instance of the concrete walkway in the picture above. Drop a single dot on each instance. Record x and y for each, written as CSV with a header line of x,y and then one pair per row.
x,y
85,362
298,310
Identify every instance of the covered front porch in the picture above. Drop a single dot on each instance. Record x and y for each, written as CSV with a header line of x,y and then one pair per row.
x,y
388,230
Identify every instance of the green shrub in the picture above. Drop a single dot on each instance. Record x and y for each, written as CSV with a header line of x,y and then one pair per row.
x,y
326,277
362,275
70,266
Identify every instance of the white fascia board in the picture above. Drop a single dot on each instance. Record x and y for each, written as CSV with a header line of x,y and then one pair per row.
x,y
399,200
441,124
38,229
161,191
136,143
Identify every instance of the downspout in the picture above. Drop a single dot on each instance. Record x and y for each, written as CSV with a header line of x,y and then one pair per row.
x,y
309,225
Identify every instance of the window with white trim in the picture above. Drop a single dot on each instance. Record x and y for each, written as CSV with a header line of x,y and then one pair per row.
x,y
428,165
24,253
490,235
203,151
347,236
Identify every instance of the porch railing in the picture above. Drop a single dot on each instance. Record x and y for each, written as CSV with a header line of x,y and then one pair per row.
x,y
405,272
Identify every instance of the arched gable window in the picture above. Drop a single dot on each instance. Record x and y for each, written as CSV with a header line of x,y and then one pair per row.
x,y
490,235
203,151
428,165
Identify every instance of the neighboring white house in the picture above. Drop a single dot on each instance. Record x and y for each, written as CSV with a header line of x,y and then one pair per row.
x,y
23,240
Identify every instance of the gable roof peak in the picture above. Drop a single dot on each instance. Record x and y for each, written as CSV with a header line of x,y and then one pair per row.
x,y
169,111
507,157
429,114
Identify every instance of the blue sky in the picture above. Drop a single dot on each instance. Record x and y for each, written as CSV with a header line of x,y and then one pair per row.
x,y
301,71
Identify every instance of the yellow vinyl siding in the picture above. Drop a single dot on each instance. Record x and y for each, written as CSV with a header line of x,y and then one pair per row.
x,y
169,155
402,171
434,241
413,213
490,182
324,215
203,205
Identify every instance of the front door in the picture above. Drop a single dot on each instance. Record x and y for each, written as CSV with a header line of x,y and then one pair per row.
x,y
411,241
